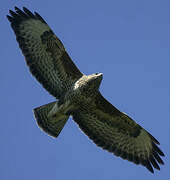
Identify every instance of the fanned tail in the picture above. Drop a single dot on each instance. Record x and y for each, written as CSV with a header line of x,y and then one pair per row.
x,y
50,124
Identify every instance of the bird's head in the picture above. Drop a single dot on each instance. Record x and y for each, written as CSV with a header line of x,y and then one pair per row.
x,y
89,84
94,80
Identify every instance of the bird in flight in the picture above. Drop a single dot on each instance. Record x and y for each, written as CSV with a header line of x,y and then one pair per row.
x,y
78,95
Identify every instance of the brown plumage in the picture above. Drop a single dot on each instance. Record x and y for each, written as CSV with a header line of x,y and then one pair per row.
x,y
78,95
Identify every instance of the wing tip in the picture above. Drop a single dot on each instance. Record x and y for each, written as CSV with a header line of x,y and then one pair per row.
x,y
9,18
157,149
149,167
154,158
153,139
39,17
20,15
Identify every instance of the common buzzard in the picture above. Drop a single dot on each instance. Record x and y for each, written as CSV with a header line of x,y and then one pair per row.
x,y
78,95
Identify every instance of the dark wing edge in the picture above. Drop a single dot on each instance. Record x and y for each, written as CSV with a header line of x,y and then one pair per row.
x,y
138,147
60,69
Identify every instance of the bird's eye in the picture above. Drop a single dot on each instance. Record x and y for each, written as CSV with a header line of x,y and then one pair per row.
x,y
96,73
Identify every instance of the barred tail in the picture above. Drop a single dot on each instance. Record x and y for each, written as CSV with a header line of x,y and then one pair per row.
x,y
50,124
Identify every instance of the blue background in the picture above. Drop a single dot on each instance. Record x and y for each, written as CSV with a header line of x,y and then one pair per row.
x,y
129,41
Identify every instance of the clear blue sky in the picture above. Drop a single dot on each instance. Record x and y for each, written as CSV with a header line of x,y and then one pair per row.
x,y
129,41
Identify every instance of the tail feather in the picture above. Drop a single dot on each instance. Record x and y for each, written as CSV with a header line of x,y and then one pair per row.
x,y
50,124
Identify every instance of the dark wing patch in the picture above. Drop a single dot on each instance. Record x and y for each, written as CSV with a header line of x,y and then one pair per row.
x,y
115,118
116,132
44,52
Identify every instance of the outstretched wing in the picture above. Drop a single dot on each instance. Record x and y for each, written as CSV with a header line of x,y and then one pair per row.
x,y
44,52
116,132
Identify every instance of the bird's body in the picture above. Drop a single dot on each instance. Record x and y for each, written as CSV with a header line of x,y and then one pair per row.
x,y
78,95
82,93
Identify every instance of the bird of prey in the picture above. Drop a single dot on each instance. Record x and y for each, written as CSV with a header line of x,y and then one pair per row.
x,y
78,95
